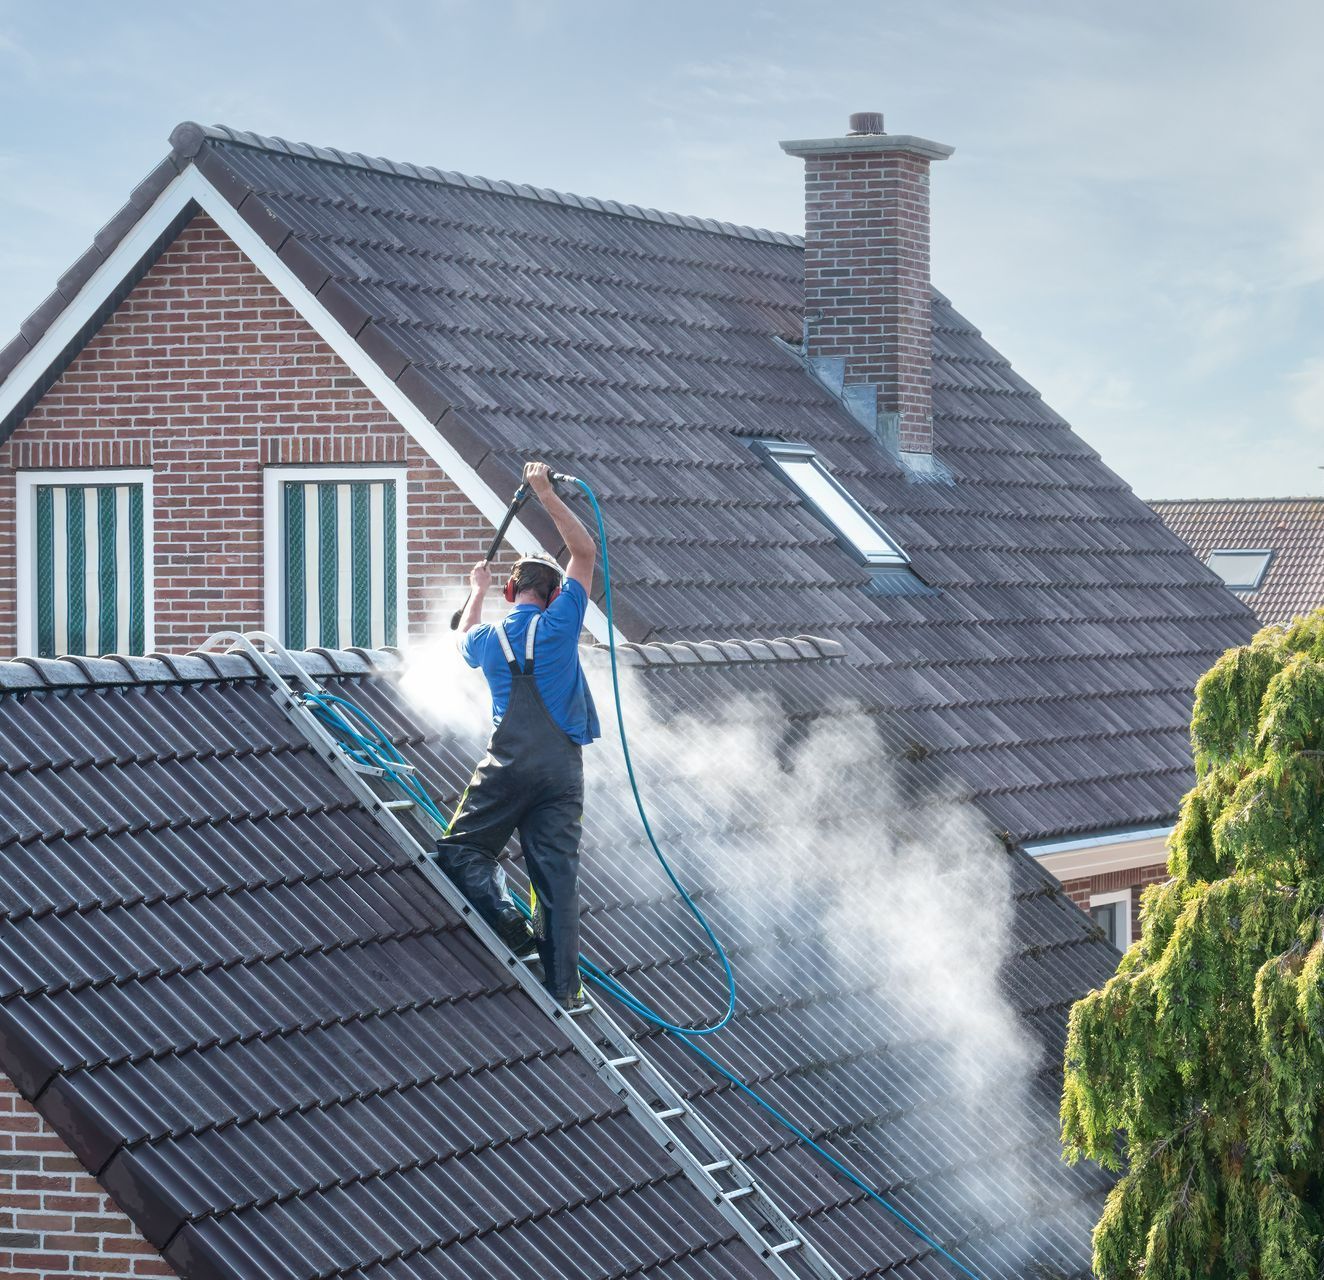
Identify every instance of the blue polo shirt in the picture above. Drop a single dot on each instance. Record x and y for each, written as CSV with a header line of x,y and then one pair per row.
x,y
556,669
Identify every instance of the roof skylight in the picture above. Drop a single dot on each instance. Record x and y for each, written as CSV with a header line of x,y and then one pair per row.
x,y
1241,570
829,500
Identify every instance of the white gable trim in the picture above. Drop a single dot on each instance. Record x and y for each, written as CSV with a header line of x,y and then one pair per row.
x,y
191,185
92,296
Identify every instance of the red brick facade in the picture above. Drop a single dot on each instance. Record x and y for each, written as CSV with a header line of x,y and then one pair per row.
x,y
205,374
1137,879
868,296
55,1220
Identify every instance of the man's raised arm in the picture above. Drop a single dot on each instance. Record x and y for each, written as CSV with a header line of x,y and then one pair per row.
x,y
578,541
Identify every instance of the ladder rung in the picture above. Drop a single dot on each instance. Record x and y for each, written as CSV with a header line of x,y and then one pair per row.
x,y
628,1061
785,1246
738,1192
670,1113
398,806
717,1166
578,1011
376,770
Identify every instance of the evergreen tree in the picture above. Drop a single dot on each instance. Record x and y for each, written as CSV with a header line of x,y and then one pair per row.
x,y
1198,1070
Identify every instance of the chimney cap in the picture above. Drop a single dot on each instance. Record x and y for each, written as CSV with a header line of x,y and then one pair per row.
x,y
866,122
924,148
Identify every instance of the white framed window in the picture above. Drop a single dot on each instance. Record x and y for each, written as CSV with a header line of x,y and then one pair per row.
x,y
335,555
1241,570
1112,913
832,503
84,573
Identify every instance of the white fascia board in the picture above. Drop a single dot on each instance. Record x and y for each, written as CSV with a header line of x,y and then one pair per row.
x,y
1098,855
92,296
191,185
1097,840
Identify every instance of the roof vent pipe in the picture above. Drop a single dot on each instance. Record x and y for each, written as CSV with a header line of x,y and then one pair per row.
x,y
865,122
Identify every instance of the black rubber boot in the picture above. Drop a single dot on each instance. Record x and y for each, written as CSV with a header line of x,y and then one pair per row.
x,y
515,933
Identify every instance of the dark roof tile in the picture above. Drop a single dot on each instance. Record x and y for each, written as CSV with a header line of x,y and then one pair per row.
x,y
77,276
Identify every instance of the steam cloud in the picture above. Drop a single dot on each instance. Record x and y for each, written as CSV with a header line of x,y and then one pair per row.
x,y
917,900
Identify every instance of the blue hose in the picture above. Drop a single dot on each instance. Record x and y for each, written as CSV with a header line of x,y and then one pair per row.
x,y
592,972
372,748
607,983
824,1154
369,745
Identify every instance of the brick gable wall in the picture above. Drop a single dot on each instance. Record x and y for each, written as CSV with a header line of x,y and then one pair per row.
x,y
205,374
55,1220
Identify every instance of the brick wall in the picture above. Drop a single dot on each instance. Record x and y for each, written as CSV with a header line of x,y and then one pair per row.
x,y
205,373
1134,878
867,290
55,1220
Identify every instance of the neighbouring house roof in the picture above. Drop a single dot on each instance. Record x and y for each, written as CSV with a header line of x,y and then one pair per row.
x,y
284,1056
1051,667
1291,529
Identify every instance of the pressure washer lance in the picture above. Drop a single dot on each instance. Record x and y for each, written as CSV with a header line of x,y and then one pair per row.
x,y
520,498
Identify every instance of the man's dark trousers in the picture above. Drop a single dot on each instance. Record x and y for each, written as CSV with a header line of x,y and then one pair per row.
x,y
530,780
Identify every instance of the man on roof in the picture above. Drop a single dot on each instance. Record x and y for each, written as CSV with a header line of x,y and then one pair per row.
x,y
532,776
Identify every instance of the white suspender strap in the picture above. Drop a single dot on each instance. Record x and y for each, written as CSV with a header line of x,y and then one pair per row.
x,y
505,643
504,640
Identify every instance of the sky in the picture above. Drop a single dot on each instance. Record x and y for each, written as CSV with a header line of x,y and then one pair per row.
x,y
1134,213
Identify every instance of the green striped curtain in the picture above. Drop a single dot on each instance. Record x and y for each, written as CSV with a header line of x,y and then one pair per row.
x,y
90,576
340,567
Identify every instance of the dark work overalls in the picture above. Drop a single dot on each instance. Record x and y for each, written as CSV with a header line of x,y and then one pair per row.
x,y
532,778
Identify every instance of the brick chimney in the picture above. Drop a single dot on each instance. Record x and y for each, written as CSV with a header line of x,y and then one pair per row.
x,y
868,301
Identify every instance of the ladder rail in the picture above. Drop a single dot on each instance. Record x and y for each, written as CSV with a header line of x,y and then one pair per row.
x,y
624,1056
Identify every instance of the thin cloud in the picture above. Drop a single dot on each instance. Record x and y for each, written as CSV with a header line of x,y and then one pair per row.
x,y
1306,398
749,82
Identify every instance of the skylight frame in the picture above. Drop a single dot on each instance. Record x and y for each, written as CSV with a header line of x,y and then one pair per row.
x,y
887,551
1243,553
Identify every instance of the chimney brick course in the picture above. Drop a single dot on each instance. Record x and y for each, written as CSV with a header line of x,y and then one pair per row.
x,y
868,297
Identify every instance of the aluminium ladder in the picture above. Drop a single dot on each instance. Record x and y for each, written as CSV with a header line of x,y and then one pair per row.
x,y
623,1066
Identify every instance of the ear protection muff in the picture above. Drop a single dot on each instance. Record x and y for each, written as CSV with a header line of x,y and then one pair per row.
x,y
513,587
